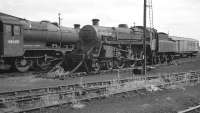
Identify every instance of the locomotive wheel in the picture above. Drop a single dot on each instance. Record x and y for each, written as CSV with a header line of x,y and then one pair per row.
x,y
155,60
23,65
119,64
109,65
97,67
44,66
132,64
165,59
5,67
159,60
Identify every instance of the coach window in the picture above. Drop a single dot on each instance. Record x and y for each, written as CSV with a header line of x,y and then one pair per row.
x,y
16,30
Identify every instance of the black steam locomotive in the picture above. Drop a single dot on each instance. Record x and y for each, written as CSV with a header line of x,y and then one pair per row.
x,y
119,47
26,44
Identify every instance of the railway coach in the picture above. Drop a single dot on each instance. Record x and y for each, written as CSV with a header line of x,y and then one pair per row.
x,y
186,46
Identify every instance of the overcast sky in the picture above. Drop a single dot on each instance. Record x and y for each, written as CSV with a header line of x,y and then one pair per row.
x,y
178,17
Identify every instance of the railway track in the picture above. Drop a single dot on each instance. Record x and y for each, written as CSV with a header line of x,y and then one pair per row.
x,y
47,97
34,99
59,73
195,109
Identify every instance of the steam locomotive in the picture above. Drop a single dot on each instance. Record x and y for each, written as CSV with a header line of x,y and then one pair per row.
x,y
26,44
119,47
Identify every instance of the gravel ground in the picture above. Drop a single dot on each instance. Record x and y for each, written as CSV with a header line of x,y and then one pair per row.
x,y
165,101
183,65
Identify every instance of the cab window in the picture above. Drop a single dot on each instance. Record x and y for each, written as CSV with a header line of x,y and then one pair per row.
x,y
8,29
12,29
16,30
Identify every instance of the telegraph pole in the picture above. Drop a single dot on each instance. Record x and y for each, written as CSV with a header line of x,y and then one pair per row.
x,y
59,19
144,38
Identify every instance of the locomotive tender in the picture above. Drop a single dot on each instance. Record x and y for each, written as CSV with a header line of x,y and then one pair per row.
x,y
27,44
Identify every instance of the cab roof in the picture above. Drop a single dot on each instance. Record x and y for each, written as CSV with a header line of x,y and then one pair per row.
x,y
9,20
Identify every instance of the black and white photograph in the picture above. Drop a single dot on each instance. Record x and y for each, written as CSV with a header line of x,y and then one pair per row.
x,y
99,56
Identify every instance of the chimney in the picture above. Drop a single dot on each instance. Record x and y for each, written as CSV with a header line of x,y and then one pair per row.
x,y
77,26
95,22
123,26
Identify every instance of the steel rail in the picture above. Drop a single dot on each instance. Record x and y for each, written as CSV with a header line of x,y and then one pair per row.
x,y
195,109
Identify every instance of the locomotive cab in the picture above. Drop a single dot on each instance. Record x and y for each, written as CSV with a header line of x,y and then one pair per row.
x,y
11,38
11,41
